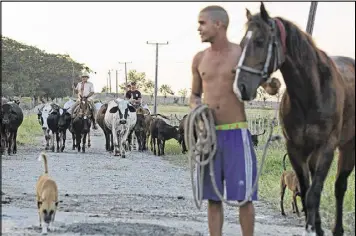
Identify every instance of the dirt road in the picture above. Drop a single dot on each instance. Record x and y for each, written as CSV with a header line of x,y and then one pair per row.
x,y
105,195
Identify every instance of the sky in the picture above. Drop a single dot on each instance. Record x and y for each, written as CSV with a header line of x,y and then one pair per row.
x,y
102,34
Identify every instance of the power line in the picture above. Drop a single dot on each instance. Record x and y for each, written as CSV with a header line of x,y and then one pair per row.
x,y
156,74
311,18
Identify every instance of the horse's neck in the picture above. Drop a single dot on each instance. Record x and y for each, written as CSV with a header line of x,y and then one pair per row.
x,y
304,90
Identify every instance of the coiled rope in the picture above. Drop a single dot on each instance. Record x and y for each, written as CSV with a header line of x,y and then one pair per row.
x,y
200,137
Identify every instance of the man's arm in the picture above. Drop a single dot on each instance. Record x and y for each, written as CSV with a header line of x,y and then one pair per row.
x,y
91,89
197,86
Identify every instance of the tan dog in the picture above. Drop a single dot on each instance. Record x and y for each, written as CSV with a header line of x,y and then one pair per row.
x,y
46,196
289,179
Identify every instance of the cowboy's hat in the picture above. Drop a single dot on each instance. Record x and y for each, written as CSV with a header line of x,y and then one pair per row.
x,y
85,74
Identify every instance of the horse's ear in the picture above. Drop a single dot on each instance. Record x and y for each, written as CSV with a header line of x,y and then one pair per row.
x,y
248,14
264,13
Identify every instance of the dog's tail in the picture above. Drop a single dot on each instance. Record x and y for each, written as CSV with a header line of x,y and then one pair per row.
x,y
284,161
44,157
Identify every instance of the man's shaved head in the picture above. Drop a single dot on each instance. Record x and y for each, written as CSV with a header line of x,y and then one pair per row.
x,y
217,13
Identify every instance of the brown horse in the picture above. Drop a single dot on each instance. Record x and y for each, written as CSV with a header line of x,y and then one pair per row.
x,y
317,110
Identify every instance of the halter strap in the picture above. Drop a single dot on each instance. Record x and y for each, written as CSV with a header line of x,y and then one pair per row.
x,y
282,29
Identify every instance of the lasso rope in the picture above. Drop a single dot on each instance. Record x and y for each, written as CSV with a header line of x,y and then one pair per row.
x,y
202,150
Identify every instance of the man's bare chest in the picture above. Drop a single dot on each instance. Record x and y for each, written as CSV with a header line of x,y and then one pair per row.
x,y
220,67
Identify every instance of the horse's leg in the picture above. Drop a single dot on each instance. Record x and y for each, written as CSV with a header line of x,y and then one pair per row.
x,y
298,162
324,157
345,166
89,144
74,141
78,140
84,141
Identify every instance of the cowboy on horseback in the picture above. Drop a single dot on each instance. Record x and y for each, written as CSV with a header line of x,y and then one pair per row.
x,y
85,90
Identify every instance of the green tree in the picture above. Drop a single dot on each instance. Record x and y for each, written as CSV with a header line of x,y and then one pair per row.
x,y
183,94
138,77
150,88
165,90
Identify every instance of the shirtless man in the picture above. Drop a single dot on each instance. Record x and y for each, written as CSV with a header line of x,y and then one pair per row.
x,y
235,161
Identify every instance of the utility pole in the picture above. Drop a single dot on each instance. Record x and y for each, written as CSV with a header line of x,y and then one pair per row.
x,y
117,92
125,62
156,74
109,81
311,18
107,84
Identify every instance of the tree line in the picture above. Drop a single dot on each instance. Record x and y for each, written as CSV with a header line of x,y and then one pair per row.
x,y
30,72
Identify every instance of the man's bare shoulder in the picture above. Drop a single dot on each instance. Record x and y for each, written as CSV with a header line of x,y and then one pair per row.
x,y
198,57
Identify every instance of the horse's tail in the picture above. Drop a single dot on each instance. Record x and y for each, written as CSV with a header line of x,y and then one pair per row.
x,y
284,161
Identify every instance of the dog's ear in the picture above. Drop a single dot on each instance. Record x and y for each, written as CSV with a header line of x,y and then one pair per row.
x,y
39,203
56,204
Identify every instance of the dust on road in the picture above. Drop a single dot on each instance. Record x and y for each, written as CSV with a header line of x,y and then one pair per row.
x,y
105,195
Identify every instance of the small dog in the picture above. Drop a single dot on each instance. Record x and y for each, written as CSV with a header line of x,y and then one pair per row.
x,y
46,196
254,138
289,179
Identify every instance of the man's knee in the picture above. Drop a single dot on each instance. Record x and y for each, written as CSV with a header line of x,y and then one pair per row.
x,y
214,204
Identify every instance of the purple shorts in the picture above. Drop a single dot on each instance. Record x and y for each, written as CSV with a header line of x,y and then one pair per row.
x,y
235,163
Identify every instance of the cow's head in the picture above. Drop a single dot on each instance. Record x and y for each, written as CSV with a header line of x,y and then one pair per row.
x,y
64,119
6,110
43,114
123,108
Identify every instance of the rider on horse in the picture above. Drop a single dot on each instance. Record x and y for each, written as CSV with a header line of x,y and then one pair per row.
x,y
85,90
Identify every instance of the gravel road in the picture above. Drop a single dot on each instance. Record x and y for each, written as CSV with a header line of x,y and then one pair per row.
x,y
105,195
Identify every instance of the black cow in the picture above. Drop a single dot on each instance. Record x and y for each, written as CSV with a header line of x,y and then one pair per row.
x,y
80,129
161,131
109,144
11,119
140,129
64,122
181,132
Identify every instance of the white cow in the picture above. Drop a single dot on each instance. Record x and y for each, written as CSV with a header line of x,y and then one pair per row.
x,y
43,114
120,118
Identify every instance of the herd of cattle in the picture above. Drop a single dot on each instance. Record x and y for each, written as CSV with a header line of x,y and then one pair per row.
x,y
120,121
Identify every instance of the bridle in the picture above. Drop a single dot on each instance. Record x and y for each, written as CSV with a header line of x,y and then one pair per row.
x,y
274,49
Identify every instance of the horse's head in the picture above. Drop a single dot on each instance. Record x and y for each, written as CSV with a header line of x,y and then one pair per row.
x,y
263,53
84,106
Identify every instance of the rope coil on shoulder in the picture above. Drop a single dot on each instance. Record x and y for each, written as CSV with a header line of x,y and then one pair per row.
x,y
200,137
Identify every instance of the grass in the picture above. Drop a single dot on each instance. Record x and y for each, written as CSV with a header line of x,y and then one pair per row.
x,y
29,130
269,184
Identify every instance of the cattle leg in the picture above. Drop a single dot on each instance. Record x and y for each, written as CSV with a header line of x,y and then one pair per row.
x,y
52,142
159,146
153,140
10,141
14,151
59,140
163,146
346,164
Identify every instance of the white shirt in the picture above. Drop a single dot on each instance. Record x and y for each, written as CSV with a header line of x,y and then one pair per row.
x,y
88,87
